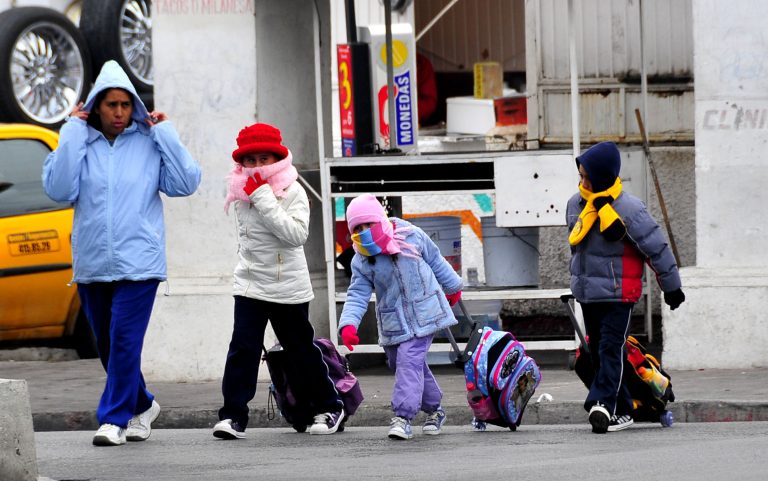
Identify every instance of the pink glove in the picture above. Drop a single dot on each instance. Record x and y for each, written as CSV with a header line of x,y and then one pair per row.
x,y
253,183
349,337
453,298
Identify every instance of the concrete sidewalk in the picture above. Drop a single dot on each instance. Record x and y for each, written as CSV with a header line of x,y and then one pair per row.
x,y
64,396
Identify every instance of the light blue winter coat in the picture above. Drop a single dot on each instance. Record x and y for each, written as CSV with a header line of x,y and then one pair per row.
x,y
118,231
410,292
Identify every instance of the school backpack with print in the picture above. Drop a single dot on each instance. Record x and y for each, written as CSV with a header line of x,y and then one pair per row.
x,y
649,384
297,412
500,378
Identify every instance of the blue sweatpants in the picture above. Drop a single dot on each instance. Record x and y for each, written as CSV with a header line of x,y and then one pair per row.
x,y
119,315
607,326
415,388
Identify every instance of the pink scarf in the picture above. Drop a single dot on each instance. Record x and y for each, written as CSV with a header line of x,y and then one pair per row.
x,y
279,176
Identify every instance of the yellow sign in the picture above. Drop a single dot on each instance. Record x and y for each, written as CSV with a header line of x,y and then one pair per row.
x,y
399,53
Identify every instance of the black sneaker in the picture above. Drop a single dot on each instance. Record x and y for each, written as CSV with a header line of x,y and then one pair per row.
x,y
327,423
620,422
599,419
227,429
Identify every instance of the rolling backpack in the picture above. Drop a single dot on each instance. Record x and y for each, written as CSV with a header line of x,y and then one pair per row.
x,y
500,377
649,384
297,412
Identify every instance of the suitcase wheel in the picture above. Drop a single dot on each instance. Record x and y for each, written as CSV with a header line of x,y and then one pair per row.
x,y
300,428
667,419
513,428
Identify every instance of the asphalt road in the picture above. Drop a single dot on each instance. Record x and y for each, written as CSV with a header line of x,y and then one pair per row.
x,y
687,451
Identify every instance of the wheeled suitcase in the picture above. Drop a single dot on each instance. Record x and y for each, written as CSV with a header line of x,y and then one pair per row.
x,y
500,377
297,412
649,384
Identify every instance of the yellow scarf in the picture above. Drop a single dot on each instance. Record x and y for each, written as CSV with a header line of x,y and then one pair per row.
x,y
589,214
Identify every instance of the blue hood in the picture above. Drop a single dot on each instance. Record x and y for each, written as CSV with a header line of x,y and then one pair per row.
x,y
113,76
602,163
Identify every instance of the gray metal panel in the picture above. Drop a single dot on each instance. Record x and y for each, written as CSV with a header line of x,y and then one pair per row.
x,y
608,113
608,38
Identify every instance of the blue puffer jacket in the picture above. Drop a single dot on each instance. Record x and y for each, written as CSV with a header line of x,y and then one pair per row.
x,y
410,292
118,231
603,271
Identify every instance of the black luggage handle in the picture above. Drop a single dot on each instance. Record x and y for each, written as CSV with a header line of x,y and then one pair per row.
x,y
472,343
566,299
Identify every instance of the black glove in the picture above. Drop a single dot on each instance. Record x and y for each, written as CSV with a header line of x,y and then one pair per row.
x,y
674,298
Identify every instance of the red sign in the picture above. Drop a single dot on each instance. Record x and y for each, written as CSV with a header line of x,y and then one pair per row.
x,y
346,109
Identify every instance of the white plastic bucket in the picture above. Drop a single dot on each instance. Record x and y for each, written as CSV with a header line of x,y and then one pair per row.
x,y
445,231
510,255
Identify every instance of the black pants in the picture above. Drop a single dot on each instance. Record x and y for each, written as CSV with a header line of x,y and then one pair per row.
x,y
295,334
607,326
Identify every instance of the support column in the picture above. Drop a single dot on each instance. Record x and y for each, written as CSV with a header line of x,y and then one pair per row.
x,y
722,322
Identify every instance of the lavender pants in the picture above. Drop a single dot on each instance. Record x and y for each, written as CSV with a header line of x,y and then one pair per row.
x,y
415,386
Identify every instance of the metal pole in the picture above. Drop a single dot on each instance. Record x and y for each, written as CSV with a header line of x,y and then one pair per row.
x,y
390,75
351,23
643,71
574,83
644,97
326,203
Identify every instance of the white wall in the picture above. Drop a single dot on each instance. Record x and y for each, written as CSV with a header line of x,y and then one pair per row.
x,y
722,323
205,80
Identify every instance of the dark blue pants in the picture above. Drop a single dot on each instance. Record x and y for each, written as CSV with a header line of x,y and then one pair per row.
x,y
607,326
119,315
295,334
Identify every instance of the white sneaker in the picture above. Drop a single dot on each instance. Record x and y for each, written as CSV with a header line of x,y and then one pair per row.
x,y
619,423
109,435
327,423
434,422
140,426
599,418
400,428
226,429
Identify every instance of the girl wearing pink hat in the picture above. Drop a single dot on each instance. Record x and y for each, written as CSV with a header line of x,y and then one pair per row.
x,y
271,283
415,289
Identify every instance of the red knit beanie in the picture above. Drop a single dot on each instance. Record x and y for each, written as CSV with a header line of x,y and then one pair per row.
x,y
259,138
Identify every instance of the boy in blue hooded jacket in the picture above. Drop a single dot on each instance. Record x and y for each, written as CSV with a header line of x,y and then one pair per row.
x,y
611,236
113,160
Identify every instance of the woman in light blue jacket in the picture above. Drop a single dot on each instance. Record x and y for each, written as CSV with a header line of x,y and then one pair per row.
x,y
113,160
415,289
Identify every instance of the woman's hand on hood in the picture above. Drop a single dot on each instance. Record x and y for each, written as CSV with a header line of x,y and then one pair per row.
x,y
79,113
156,117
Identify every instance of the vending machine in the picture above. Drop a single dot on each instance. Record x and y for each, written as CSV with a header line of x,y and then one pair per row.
x,y
406,122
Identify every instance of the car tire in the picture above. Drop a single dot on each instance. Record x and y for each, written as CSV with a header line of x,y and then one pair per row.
x,y
83,340
46,56
104,23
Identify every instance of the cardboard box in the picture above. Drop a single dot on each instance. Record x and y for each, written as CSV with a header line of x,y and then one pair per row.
x,y
489,80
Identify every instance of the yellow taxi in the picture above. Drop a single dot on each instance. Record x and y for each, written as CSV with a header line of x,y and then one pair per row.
x,y
37,299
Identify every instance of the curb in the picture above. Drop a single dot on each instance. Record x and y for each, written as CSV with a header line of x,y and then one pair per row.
x,y
545,413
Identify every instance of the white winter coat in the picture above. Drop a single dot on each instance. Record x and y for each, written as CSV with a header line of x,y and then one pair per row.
x,y
271,235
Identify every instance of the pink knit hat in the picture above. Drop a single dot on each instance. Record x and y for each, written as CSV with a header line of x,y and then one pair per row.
x,y
366,209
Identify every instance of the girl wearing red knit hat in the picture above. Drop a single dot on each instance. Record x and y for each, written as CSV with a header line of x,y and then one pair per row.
x,y
271,283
